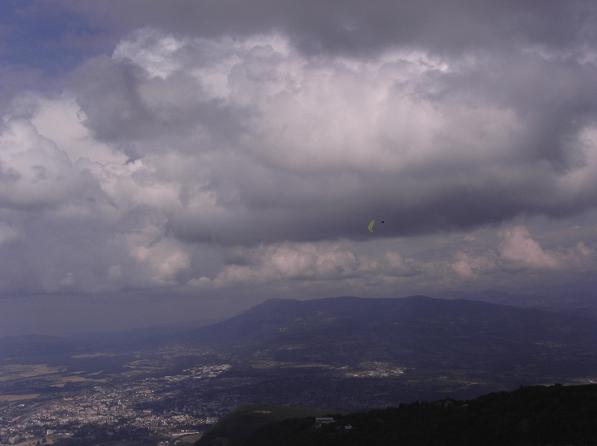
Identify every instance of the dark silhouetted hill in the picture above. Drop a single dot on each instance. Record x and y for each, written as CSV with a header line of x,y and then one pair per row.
x,y
247,420
538,416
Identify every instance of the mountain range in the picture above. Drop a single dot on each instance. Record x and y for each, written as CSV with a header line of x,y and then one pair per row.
x,y
415,333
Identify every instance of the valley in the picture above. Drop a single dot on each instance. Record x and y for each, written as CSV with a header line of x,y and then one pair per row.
x,y
339,355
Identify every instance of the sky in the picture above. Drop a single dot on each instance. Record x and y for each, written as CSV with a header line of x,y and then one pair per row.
x,y
162,155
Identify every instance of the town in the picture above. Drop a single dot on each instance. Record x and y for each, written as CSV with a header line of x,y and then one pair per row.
x,y
116,408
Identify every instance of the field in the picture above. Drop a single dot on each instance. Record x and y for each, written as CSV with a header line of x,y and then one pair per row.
x,y
13,398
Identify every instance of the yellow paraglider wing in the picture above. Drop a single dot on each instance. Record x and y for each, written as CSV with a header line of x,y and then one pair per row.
x,y
371,226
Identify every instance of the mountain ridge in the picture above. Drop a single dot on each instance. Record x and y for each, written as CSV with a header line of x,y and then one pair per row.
x,y
412,332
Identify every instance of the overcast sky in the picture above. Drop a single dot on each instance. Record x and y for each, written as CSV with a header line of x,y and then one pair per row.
x,y
196,150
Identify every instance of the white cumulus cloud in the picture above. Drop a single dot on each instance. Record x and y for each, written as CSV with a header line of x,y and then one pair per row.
x,y
518,246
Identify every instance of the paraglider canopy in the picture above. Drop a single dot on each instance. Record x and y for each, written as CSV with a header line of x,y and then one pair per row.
x,y
372,224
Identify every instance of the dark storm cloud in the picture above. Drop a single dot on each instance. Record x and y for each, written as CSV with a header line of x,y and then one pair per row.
x,y
356,26
439,204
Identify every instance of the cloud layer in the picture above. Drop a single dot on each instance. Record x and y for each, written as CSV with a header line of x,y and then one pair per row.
x,y
354,27
211,150
294,148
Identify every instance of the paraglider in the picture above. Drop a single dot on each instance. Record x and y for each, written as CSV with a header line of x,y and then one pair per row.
x,y
371,226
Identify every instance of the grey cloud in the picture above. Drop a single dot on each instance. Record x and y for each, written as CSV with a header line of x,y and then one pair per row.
x,y
551,95
231,142
408,209
125,106
357,27
284,148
